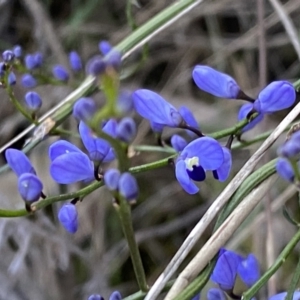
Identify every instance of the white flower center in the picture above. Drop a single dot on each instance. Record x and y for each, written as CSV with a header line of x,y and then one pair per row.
x,y
191,162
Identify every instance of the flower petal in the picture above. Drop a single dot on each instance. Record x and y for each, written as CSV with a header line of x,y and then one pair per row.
x,y
30,187
285,169
72,167
156,109
248,270
97,148
215,82
18,162
223,171
62,147
215,294
198,173
208,150
242,114
68,217
178,142
184,179
282,296
225,270
276,96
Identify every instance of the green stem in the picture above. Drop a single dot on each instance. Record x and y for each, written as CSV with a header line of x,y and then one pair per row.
x,y
294,282
269,273
18,105
124,212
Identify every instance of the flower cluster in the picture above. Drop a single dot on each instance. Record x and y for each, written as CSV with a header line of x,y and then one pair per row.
x,y
124,184
114,296
287,165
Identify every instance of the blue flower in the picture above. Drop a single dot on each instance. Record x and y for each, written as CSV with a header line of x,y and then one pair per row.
x,y
30,187
11,79
285,169
111,179
215,294
75,61
33,101
8,55
96,66
128,187
197,297
17,50
115,296
33,61
98,148
68,217
69,164
28,81
157,128
243,113
248,270
105,47
156,109
19,162
290,148
276,96
178,142
125,102
95,297
126,130
225,270
200,155
215,82
84,109
60,73
223,171
282,296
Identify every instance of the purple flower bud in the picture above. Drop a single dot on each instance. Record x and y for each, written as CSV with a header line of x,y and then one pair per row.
x,y
8,55
104,47
28,81
111,179
84,109
18,162
60,73
17,51
38,59
2,69
178,142
215,82
285,169
290,148
282,296
68,217
125,102
156,109
128,187
95,297
30,62
115,296
75,61
126,130
30,187
96,66
276,96
243,113
113,59
215,294
248,270
33,101
11,80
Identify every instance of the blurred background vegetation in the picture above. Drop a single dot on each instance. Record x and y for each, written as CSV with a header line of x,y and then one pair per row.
x,y
39,260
